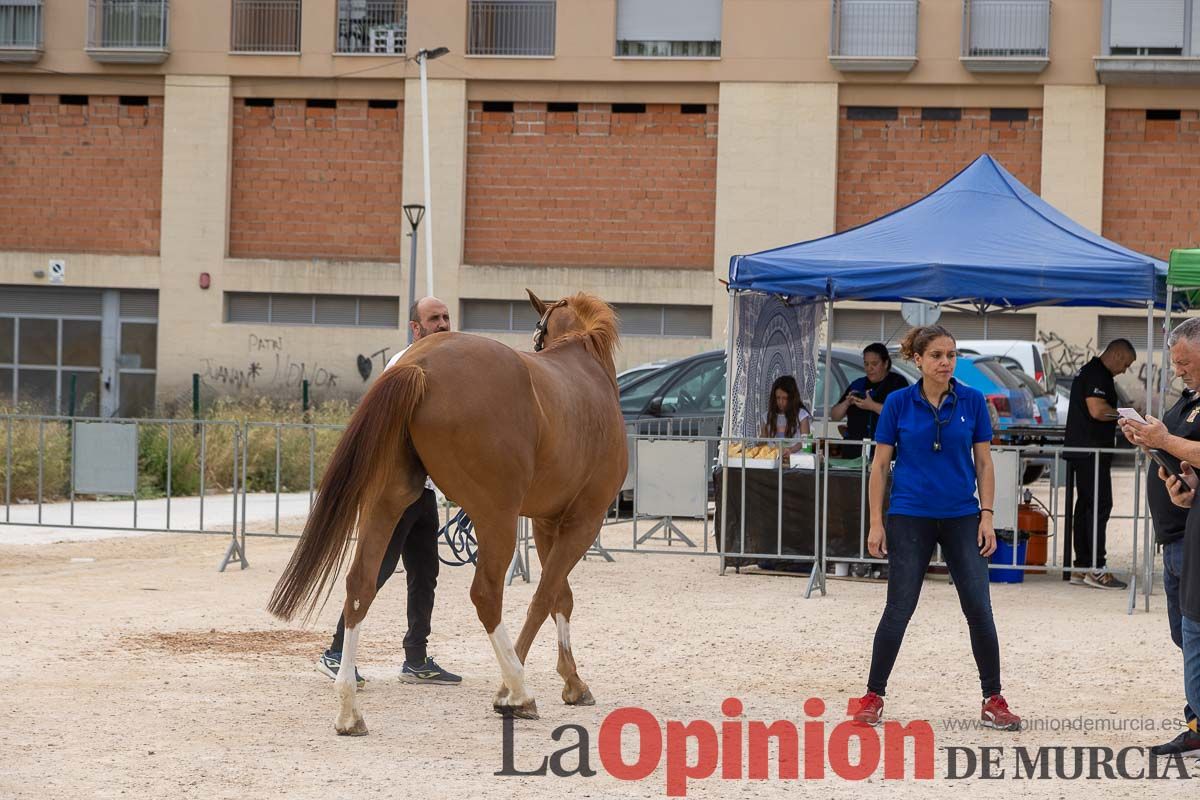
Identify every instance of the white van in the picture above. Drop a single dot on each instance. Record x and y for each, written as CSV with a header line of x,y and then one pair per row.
x,y
1030,355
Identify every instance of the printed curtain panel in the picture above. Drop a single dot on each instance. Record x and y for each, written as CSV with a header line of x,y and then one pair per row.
x,y
772,337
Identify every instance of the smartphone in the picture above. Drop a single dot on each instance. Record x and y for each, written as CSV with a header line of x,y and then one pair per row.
x,y
1168,462
1131,414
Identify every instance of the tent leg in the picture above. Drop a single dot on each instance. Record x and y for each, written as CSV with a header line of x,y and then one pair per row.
x,y
726,432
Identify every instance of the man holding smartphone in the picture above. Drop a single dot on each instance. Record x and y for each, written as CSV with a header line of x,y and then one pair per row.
x,y
1092,423
1178,434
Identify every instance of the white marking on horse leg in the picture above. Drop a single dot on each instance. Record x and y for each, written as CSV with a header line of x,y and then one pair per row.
x,y
564,631
345,685
511,668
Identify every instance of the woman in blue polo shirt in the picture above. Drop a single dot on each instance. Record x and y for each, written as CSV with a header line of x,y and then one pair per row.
x,y
938,432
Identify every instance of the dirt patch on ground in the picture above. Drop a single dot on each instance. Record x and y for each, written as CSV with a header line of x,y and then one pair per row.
x,y
234,643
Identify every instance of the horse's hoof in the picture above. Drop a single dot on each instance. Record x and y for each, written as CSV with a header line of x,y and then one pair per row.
x,y
524,711
359,728
584,699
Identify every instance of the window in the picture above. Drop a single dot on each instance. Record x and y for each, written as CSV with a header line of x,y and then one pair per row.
x,y
1008,29
511,27
307,309
636,319
1132,328
669,28
875,29
637,397
861,326
20,30
700,390
128,31
265,26
1147,27
372,26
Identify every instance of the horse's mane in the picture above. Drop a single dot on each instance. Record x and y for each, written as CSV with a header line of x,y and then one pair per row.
x,y
599,321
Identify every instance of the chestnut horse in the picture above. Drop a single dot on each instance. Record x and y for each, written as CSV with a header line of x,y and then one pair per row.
x,y
504,434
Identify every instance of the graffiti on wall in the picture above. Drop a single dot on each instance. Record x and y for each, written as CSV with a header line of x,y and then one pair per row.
x,y
366,364
270,367
1065,358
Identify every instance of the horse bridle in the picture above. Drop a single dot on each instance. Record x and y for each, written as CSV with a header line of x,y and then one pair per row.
x,y
539,333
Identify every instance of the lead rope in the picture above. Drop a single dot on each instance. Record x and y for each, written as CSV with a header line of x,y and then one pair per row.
x,y
459,534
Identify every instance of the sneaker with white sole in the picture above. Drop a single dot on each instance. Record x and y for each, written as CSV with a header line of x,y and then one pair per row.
x,y
996,714
428,671
331,661
1077,579
1104,580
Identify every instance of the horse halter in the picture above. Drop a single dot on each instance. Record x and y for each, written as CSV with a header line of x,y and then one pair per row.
x,y
539,333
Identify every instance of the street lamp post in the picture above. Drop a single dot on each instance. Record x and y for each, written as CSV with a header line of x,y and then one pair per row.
x,y
414,212
423,56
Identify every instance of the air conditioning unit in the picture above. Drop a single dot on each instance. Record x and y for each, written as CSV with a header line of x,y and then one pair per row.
x,y
388,39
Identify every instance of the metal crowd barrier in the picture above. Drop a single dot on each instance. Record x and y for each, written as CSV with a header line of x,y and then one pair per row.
x,y
242,479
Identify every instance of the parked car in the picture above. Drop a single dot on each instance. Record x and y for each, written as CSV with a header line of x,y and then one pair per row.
x,y
1030,356
1014,404
1046,412
688,396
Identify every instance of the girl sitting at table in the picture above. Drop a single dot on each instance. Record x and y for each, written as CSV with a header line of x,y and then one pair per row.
x,y
787,417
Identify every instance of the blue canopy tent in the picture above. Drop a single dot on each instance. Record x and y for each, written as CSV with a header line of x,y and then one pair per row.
x,y
982,241
982,238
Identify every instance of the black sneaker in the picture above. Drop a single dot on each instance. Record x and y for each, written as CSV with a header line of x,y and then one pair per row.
x,y
428,672
1185,744
331,661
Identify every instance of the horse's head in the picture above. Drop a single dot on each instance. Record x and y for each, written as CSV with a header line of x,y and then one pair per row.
x,y
581,316
552,326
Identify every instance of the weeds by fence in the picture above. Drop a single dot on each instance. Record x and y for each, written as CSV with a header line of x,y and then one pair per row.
x,y
303,453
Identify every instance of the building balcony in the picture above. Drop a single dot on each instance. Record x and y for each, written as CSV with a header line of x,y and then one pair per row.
x,y
20,31
874,35
1006,35
1150,43
128,31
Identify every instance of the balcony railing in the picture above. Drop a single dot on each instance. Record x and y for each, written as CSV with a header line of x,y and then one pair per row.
x,y
874,35
128,31
1006,35
265,26
372,26
511,28
20,30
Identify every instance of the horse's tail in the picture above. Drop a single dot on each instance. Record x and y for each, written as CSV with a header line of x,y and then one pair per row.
x,y
368,460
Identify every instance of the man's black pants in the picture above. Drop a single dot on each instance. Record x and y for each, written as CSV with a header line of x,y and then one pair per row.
x,y
1092,499
416,541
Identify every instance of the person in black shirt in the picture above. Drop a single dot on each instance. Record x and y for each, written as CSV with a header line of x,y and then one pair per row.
x,y
863,399
1180,423
1092,422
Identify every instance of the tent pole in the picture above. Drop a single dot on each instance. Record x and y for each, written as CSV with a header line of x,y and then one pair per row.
x,y
1150,357
1166,354
726,431
817,577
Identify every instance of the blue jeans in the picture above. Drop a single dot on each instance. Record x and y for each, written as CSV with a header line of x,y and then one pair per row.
x,y
1172,568
1191,661
910,543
